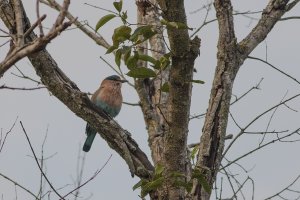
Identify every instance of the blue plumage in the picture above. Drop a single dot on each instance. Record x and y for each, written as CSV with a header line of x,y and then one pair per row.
x,y
111,110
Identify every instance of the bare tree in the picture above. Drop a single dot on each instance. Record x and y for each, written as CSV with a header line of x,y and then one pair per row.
x,y
163,81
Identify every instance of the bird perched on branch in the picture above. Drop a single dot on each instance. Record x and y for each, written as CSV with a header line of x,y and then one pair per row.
x,y
109,98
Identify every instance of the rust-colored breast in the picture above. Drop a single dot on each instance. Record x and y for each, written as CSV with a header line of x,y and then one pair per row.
x,y
109,93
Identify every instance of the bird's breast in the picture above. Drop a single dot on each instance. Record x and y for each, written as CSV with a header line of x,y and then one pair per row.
x,y
110,101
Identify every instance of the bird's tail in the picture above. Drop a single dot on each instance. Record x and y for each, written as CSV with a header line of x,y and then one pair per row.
x,y
91,133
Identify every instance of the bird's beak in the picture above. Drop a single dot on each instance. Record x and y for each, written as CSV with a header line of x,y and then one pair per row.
x,y
123,81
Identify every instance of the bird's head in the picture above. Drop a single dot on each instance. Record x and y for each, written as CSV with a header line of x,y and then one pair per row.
x,y
113,81
115,78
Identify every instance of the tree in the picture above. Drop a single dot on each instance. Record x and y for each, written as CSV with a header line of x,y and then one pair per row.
x,y
164,87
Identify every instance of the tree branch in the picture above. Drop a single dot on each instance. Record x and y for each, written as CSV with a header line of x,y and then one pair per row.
x,y
21,50
96,37
214,129
20,88
270,16
19,23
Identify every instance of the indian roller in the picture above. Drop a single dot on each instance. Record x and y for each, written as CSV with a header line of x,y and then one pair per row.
x,y
109,98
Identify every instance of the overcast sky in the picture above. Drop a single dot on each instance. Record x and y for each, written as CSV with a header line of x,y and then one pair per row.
x,y
272,168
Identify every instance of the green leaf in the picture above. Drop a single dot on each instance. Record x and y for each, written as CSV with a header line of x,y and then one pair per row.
x,y
118,57
152,185
104,20
198,81
139,184
156,65
149,34
139,31
194,152
177,25
124,17
189,186
202,180
164,61
127,53
111,49
121,34
131,62
147,58
118,5
165,87
164,22
179,183
159,169
177,174
141,72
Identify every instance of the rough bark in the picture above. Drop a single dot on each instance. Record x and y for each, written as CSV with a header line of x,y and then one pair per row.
x,y
183,54
166,114
152,100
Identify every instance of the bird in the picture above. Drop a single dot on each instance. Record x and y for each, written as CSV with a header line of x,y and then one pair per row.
x,y
107,97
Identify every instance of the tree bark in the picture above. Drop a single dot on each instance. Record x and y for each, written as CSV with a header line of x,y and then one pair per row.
x,y
183,54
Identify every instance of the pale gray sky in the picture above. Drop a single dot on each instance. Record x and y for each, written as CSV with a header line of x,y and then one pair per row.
x,y
78,56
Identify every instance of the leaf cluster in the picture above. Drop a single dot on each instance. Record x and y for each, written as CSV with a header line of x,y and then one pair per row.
x,y
125,41
176,178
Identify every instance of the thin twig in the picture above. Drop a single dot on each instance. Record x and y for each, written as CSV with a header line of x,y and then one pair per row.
x,y
79,170
231,185
264,132
287,188
25,76
284,73
37,162
256,118
5,43
242,185
256,87
34,25
270,120
100,8
42,160
131,104
289,18
120,73
6,134
38,17
19,88
87,181
17,184
260,147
